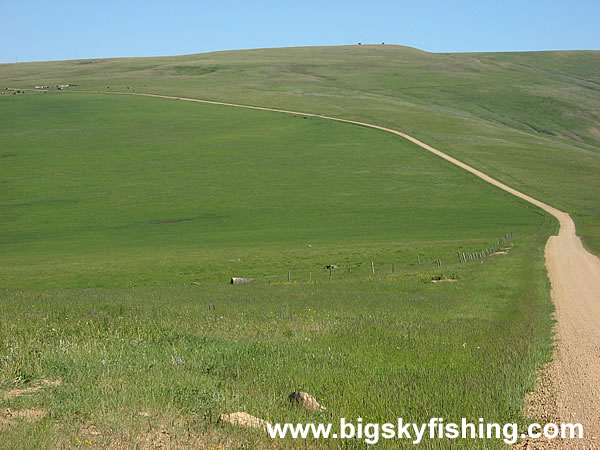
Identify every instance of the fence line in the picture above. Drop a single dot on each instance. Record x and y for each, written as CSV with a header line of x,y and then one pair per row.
x,y
481,254
305,274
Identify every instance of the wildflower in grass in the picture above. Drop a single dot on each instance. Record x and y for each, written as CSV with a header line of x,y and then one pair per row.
x,y
177,359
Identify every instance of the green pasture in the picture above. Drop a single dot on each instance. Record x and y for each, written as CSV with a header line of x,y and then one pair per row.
x,y
150,366
529,119
123,218
118,191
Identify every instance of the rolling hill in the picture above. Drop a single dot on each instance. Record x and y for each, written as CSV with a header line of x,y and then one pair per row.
x,y
529,119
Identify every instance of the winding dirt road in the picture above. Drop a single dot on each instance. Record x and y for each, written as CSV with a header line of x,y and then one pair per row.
x,y
569,388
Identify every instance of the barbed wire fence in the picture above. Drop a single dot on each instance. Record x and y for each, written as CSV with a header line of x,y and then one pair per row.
x,y
330,272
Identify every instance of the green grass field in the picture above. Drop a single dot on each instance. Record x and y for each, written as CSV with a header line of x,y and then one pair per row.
x,y
168,195
112,206
135,362
529,119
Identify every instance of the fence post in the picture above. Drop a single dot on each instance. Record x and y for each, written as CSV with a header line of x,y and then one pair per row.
x,y
373,267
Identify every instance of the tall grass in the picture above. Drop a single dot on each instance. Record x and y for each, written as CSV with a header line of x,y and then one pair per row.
x,y
137,363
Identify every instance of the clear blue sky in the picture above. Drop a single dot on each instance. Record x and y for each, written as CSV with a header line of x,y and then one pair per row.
x,y
50,30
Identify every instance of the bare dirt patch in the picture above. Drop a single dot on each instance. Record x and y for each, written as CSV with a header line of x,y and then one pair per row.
x,y
171,221
243,419
89,429
16,392
9,417
162,438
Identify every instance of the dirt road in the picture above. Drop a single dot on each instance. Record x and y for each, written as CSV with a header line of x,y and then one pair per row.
x,y
569,390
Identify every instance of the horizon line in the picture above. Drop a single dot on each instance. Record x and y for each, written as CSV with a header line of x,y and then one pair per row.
x,y
358,44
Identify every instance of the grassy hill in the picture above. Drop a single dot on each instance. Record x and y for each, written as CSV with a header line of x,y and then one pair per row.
x,y
529,119
105,191
112,205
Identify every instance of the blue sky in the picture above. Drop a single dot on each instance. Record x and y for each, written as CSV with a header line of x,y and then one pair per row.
x,y
50,30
